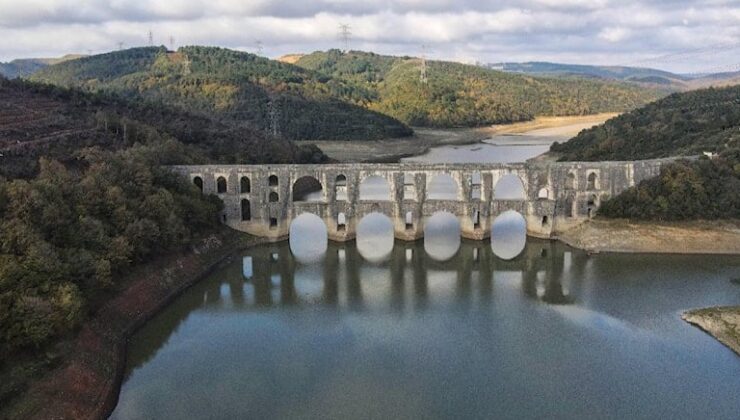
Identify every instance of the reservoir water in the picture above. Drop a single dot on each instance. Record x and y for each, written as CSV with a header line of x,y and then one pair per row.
x,y
438,328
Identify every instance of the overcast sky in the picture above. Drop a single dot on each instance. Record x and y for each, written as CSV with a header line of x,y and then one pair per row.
x,y
678,35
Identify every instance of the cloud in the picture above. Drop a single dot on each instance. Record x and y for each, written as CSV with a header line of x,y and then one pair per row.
x,y
580,31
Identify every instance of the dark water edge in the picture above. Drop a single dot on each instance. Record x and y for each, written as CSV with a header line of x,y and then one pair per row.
x,y
551,333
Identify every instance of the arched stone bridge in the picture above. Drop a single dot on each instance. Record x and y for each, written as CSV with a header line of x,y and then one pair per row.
x,y
262,199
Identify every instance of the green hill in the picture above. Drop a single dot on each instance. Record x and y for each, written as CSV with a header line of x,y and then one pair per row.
x,y
463,95
24,67
52,122
686,123
682,124
268,95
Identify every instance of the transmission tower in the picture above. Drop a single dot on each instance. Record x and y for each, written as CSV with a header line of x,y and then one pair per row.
x,y
259,47
423,71
273,112
172,43
345,33
120,45
151,38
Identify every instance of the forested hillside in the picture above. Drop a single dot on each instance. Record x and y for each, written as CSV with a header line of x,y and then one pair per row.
x,y
233,86
462,95
680,125
41,120
84,196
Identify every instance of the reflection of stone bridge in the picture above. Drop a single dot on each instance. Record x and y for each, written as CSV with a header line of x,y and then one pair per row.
x,y
264,199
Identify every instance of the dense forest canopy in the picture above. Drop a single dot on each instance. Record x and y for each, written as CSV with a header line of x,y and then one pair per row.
x,y
683,124
463,95
42,120
233,86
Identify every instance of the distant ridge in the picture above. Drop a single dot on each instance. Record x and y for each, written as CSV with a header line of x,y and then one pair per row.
x,y
23,67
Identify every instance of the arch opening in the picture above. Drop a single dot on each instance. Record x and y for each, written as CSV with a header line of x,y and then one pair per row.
x,y
375,237
409,187
341,222
245,185
307,189
543,194
409,220
509,187
340,188
442,236
221,185
375,188
570,181
198,181
592,181
476,183
442,187
308,238
545,221
476,219
246,210
274,197
272,181
508,235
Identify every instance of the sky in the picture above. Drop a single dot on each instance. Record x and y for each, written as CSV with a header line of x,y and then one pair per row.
x,y
676,35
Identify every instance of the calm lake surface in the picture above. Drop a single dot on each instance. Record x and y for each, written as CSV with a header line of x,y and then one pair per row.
x,y
439,328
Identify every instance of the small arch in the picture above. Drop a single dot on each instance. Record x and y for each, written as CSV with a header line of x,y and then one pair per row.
x,y
409,187
570,181
543,194
246,210
307,188
272,181
274,197
273,223
509,187
221,185
198,181
341,222
244,185
375,188
592,181
442,187
545,221
409,220
476,182
340,188
476,219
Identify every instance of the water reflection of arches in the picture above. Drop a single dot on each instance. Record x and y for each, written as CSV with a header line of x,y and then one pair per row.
x,y
307,189
375,188
308,238
375,237
442,187
508,234
442,235
509,187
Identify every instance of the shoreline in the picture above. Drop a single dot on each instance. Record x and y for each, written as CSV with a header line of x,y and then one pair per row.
x,y
86,384
721,322
394,149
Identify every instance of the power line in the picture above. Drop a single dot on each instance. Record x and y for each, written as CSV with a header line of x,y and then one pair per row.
x,y
345,33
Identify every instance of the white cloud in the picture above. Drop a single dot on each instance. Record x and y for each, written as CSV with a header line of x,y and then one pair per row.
x,y
581,31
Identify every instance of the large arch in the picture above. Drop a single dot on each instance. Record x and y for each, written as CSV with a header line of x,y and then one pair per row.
x,y
508,235
442,187
375,188
198,181
509,187
307,189
309,238
375,237
245,186
442,236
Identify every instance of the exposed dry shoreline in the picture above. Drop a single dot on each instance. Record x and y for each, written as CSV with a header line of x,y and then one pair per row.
x,y
722,323
87,383
392,150
696,237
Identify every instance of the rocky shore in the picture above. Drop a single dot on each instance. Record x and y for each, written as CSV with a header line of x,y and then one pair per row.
x,y
722,323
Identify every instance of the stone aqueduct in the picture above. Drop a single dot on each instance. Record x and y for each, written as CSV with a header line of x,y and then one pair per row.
x,y
259,199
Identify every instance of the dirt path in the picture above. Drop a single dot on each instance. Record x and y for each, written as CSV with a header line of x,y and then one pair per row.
x,y
391,150
700,237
